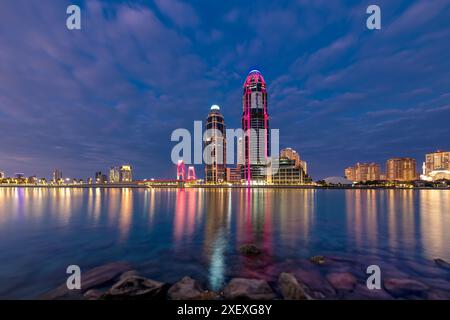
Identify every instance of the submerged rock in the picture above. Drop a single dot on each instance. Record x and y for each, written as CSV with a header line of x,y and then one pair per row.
x,y
342,280
319,260
404,287
93,294
135,287
290,289
97,277
248,289
319,286
187,289
442,263
249,250
361,292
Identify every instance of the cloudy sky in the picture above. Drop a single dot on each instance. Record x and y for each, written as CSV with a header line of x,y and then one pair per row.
x,y
114,91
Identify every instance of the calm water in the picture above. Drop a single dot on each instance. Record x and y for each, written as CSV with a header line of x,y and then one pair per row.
x,y
167,234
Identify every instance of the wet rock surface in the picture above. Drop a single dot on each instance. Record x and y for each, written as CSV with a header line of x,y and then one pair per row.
x,y
442,264
97,277
342,280
188,289
324,277
290,289
136,287
249,250
248,289
404,287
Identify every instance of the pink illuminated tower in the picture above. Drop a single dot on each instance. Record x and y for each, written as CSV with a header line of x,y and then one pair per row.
x,y
255,117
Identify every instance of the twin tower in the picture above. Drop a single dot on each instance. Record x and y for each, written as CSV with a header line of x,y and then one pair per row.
x,y
253,152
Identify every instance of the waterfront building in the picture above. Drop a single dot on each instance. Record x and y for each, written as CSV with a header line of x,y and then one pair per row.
x,y
363,172
401,169
2,175
255,123
233,175
215,141
350,173
436,166
122,173
100,178
57,175
290,169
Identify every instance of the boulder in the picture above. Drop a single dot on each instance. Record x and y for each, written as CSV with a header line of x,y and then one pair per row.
x,y
403,287
248,289
319,260
442,263
319,286
129,274
249,250
93,294
361,292
186,289
342,280
135,287
95,278
290,289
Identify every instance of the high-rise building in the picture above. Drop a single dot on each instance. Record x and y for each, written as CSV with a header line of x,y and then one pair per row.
x,y
363,172
122,173
401,169
2,175
436,166
255,124
57,175
215,143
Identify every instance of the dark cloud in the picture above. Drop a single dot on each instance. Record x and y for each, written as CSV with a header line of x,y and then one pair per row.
x,y
114,91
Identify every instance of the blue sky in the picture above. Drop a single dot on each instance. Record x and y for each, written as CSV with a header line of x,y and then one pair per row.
x,y
114,91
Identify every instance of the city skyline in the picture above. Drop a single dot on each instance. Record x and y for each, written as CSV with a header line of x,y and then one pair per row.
x,y
82,103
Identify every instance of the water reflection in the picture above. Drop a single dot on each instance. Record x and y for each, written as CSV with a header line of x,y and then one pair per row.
x,y
205,227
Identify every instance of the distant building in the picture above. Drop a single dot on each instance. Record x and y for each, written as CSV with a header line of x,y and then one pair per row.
x,y
291,169
401,169
57,175
233,174
363,172
436,166
122,173
2,175
100,178
32,180
215,141
19,176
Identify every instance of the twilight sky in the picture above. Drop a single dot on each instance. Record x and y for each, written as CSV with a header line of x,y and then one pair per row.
x,y
114,91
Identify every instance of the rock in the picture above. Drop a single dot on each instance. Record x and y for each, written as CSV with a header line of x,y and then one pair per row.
x,y
319,260
94,278
135,287
290,289
361,292
342,281
403,287
93,294
248,289
249,250
186,289
438,295
320,288
442,263
129,274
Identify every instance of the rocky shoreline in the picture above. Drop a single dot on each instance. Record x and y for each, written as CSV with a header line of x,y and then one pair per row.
x,y
342,279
